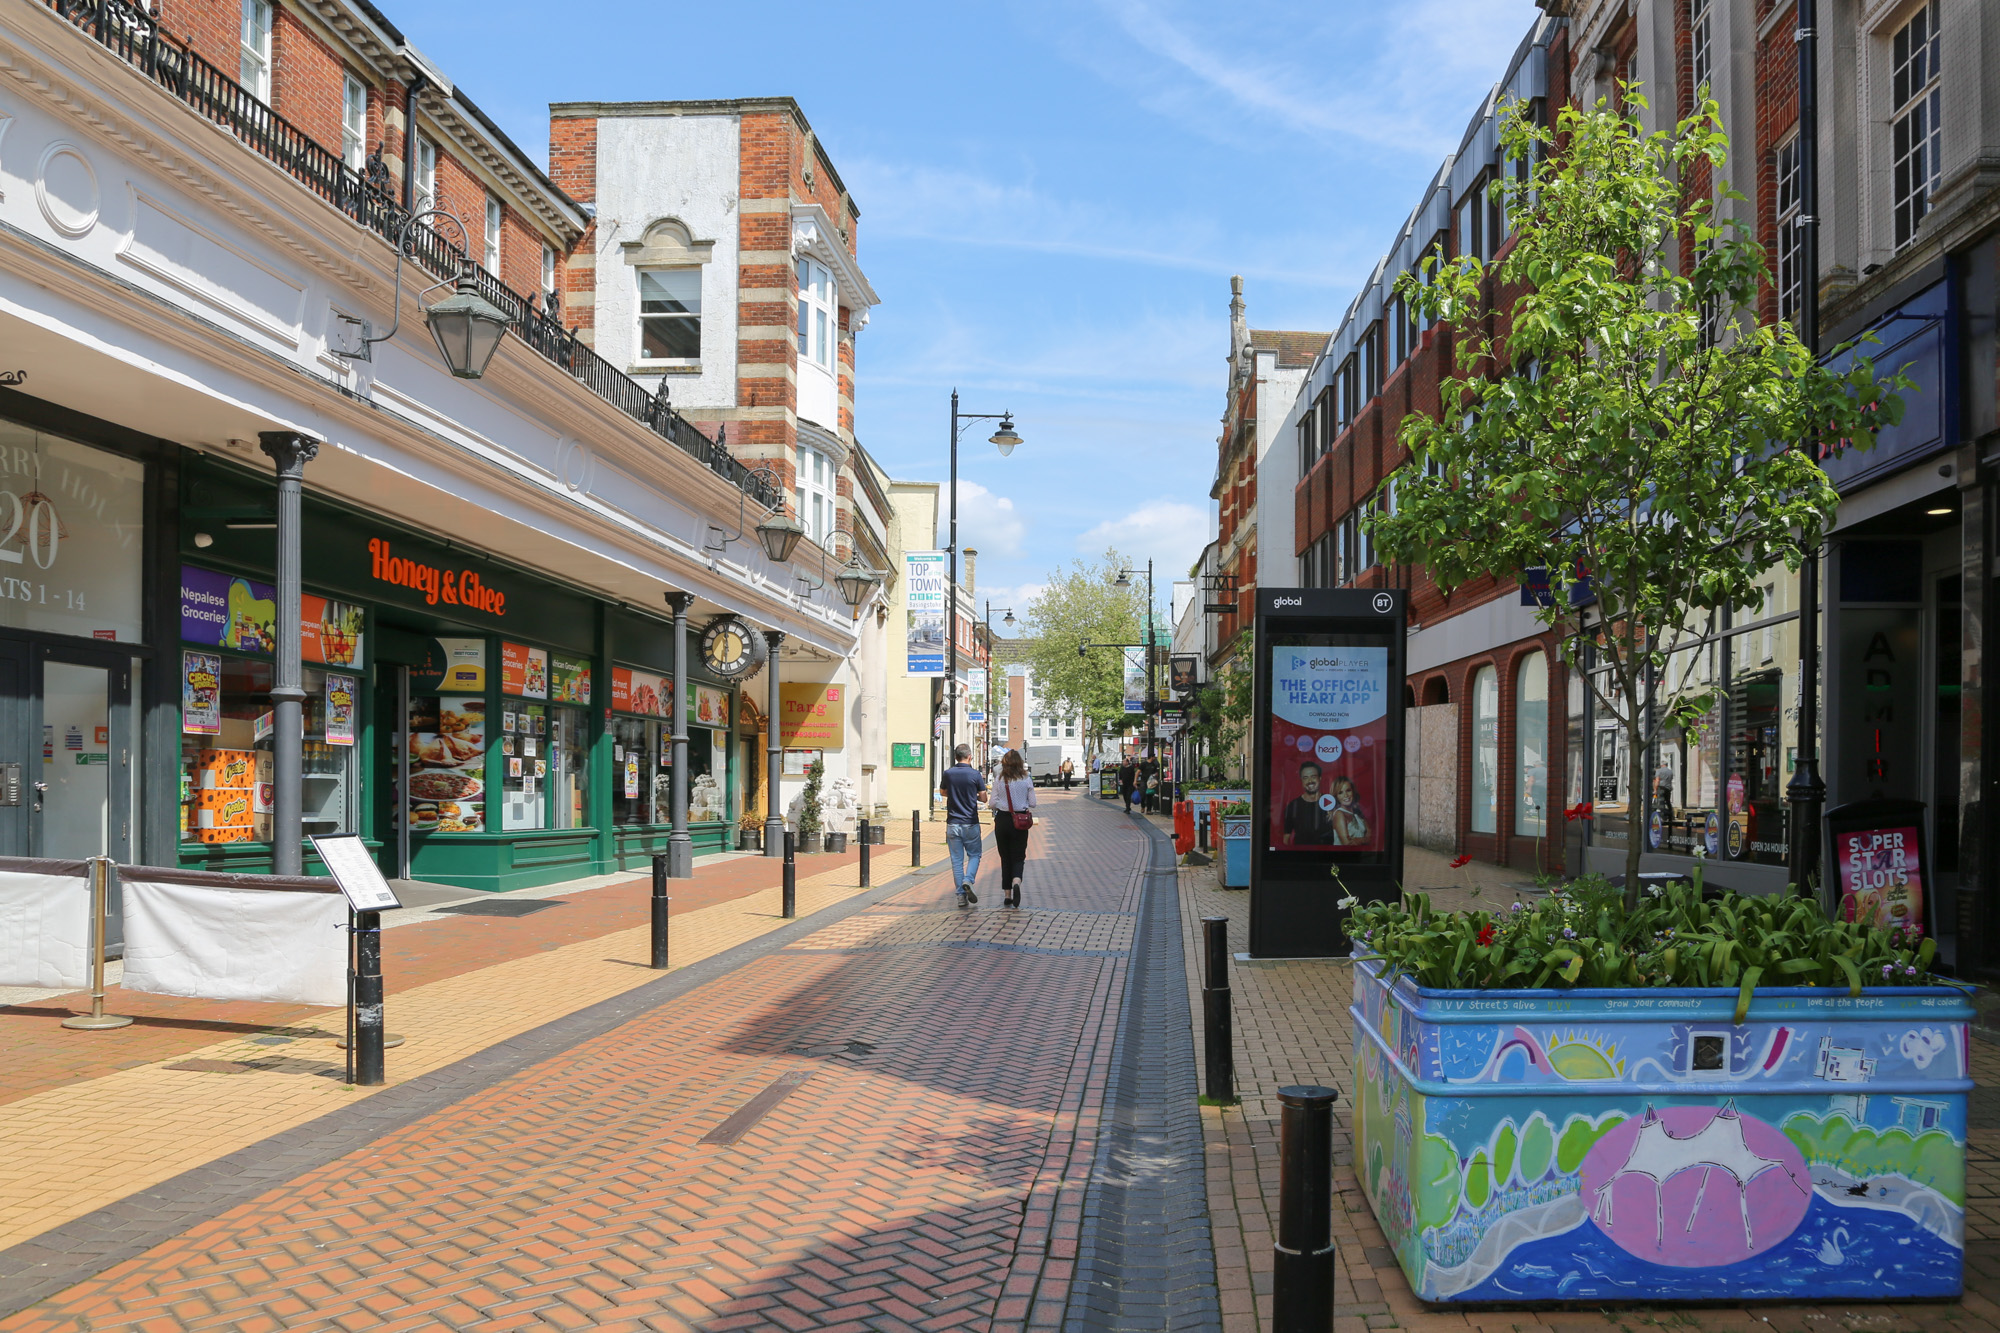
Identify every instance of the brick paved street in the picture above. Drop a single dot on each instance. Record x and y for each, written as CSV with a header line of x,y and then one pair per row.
x,y
885,1119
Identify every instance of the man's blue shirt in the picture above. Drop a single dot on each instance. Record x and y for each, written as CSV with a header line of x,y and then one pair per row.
x,y
961,786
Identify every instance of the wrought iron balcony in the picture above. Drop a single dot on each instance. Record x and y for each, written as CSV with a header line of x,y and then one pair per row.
x,y
136,38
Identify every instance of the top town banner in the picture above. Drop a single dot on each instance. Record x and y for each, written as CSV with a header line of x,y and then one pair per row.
x,y
1329,757
1135,680
927,592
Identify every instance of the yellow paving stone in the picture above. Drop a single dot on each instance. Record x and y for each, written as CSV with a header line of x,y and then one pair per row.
x,y
77,1148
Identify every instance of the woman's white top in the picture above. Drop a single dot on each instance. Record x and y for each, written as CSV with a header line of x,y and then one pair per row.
x,y
1018,794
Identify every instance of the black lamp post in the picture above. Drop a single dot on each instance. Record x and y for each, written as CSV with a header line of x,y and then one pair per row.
x,y
1008,611
1124,580
1005,439
1806,792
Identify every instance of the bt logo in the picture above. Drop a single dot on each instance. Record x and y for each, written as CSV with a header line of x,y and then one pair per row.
x,y
1384,603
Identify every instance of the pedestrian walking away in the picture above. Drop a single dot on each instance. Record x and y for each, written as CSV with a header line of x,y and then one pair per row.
x,y
963,789
1013,807
1128,778
1068,773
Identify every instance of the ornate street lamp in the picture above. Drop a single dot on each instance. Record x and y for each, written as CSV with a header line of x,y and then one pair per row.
x,y
467,327
780,533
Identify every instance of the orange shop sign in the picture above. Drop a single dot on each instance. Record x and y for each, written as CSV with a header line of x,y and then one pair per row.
x,y
814,716
434,585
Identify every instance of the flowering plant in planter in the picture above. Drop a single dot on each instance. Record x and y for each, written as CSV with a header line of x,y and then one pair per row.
x,y
1583,936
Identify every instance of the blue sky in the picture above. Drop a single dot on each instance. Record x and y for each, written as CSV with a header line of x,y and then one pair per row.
x,y
1053,196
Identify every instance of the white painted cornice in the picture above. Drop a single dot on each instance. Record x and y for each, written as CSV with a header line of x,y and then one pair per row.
x,y
815,234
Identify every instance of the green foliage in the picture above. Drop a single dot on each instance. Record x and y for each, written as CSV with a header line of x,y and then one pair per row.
x,y
1233,810
1438,1192
1579,1136
1538,1147
1222,711
1634,427
1079,605
1584,936
809,807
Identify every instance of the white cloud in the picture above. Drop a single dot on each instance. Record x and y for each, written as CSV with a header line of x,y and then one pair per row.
x,y
987,523
1015,597
1169,533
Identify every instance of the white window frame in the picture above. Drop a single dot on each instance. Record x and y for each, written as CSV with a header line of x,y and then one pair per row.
x,y
1701,45
1787,172
641,315
424,196
354,121
819,313
814,488
1916,129
253,49
548,269
494,220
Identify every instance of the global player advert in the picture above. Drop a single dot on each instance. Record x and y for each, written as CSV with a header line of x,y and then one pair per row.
x,y
1329,748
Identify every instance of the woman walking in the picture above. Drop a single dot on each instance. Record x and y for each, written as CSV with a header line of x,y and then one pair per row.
x,y
1013,807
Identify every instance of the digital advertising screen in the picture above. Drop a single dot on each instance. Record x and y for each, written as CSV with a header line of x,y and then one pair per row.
x,y
1329,762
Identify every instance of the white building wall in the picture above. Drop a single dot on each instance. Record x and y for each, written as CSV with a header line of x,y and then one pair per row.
x,y
682,167
1277,469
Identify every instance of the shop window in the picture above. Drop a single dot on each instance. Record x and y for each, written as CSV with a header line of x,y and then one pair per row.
x,y
636,764
226,774
1485,809
543,767
1531,746
72,537
569,769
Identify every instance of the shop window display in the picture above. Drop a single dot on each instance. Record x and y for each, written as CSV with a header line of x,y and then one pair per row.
x,y
448,737
226,763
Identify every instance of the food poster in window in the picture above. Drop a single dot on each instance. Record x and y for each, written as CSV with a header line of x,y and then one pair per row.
x,y
646,694
1881,877
709,707
524,671
569,680
522,792
1329,758
201,694
342,696
223,611
448,764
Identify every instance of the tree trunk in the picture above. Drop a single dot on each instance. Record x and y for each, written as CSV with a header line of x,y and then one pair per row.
x,y
1635,776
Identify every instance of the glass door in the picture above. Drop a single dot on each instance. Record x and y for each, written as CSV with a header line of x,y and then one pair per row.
x,y
82,803
20,759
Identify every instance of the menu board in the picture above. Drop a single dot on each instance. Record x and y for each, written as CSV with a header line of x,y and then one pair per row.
x,y
201,694
524,671
222,611
709,707
448,765
1329,753
640,692
569,680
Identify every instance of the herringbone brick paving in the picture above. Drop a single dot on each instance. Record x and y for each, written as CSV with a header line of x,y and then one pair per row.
x,y
1291,1026
926,1172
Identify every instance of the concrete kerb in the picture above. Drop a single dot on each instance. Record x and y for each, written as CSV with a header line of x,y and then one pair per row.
x,y
85,1246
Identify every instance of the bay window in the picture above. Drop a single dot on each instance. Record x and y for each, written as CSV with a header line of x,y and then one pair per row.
x,y
819,313
813,489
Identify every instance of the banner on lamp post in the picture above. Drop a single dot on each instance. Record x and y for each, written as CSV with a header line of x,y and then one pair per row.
x,y
927,584
1135,680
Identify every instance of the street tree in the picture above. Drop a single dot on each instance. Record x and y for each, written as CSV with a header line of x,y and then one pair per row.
x,y
1081,605
1632,429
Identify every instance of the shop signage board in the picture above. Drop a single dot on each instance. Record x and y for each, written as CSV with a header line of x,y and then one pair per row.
x,y
927,591
1327,783
906,754
224,611
708,706
72,524
1181,671
641,692
814,716
569,679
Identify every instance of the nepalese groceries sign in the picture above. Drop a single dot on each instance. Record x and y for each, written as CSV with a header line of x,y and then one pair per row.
x,y
223,611
1329,757
927,592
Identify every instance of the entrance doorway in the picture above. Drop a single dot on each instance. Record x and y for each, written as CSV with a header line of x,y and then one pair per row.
x,y
79,743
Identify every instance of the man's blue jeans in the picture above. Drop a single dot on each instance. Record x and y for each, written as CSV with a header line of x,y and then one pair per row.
x,y
962,840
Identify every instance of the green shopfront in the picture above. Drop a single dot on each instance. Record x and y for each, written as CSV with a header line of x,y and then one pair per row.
x,y
537,717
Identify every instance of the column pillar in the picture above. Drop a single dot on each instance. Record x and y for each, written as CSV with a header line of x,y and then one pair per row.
x,y
680,843
291,452
774,752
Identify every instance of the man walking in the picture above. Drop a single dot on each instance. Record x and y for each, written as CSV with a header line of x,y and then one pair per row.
x,y
963,789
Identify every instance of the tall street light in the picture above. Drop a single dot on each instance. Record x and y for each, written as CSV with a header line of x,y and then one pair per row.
x,y
990,691
1005,439
1806,792
1124,580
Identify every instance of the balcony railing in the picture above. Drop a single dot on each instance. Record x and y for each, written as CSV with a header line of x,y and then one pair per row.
x,y
135,37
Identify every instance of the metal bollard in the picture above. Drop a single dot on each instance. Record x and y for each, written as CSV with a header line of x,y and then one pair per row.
x,y
660,911
1201,826
368,1027
791,879
1302,1276
916,839
864,852
1217,1040
100,893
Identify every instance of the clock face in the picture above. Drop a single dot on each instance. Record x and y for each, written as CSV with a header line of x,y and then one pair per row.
x,y
731,649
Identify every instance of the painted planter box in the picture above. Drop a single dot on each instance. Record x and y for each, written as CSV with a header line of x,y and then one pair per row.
x,y
1638,1145
1235,853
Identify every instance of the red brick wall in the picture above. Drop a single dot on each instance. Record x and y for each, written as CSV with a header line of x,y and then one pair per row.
x,y
573,167
307,79
212,28
1777,65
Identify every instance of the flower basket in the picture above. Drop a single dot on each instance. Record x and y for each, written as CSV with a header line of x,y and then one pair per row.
x,y
1641,1144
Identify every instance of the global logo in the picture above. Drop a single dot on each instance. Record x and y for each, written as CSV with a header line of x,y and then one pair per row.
x,y
1287,601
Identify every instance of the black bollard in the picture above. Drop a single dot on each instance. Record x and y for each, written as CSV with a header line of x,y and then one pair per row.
x,y
1216,1037
368,1063
791,880
660,911
916,838
1302,1276
1201,825
864,853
